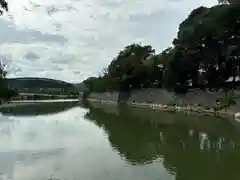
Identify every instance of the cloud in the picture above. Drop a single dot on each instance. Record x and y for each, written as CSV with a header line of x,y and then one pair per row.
x,y
31,56
10,34
75,39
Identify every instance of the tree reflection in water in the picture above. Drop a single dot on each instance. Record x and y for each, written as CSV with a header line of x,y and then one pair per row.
x,y
34,109
191,147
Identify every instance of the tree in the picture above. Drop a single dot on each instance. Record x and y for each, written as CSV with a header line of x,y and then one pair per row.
x,y
5,92
4,6
203,42
233,2
205,54
125,69
157,67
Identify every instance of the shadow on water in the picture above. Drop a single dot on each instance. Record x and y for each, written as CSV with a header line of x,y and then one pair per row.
x,y
34,109
190,147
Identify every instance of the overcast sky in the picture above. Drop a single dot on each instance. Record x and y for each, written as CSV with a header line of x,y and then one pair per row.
x,y
74,39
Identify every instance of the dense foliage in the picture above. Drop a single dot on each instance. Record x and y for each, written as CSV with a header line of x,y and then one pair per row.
x,y
205,54
5,92
3,5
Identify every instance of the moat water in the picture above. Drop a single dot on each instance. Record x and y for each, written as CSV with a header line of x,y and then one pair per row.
x,y
69,141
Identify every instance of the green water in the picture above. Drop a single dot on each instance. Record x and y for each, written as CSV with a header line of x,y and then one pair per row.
x,y
68,141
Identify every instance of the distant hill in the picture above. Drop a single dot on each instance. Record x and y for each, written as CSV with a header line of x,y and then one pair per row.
x,y
80,86
34,84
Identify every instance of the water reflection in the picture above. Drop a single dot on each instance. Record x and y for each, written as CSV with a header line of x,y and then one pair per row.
x,y
9,160
36,147
33,109
106,142
190,147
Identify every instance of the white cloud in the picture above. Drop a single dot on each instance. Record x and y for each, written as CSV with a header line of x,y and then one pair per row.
x,y
83,36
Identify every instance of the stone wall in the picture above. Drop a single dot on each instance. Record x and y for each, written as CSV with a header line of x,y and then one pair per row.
x,y
160,96
106,96
148,115
106,107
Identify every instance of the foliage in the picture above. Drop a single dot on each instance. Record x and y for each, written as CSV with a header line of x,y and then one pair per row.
x,y
128,66
208,40
234,2
5,93
205,54
4,6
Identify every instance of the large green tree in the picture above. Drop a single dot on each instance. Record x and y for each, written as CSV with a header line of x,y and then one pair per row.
x,y
205,54
233,2
128,67
208,39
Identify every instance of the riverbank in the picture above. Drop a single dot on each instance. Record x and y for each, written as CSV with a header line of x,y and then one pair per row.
x,y
197,101
205,99
226,114
27,102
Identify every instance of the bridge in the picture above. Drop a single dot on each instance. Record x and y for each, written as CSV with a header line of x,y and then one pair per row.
x,y
42,96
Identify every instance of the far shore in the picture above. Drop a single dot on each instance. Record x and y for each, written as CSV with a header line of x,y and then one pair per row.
x,y
25,102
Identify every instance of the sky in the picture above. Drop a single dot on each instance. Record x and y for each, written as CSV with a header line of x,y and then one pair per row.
x,y
71,40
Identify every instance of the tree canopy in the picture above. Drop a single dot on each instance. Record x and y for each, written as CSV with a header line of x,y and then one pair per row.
x,y
205,54
234,2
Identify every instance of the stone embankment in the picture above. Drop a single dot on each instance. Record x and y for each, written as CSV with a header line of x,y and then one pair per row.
x,y
194,101
226,114
160,96
197,121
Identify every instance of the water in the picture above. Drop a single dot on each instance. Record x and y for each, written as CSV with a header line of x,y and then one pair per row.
x,y
64,141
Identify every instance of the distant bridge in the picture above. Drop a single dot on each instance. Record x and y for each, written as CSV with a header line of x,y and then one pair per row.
x,y
41,96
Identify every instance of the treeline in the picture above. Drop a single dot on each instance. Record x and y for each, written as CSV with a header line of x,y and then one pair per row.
x,y
5,93
205,54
